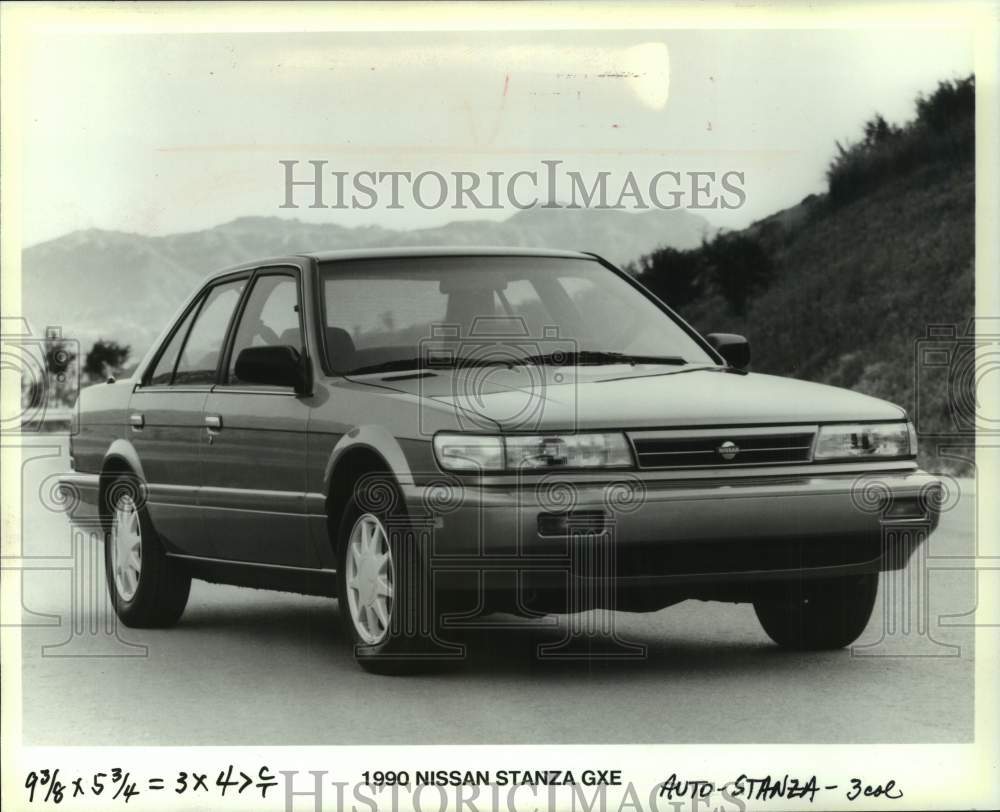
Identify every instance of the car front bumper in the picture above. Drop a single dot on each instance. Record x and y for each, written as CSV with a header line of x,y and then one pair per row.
x,y
686,536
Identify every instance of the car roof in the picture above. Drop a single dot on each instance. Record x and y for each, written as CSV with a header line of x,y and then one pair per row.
x,y
442,251
402,252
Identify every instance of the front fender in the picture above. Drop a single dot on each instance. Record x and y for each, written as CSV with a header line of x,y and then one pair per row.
x,y
375,439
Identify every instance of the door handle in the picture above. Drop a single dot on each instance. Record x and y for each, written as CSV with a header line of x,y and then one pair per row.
x,y
213,422
136,420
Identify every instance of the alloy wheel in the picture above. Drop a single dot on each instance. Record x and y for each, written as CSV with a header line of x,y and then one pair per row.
x,y
370,579
126,547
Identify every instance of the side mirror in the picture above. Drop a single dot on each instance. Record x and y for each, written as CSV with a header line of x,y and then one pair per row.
x,y
273,366
733,348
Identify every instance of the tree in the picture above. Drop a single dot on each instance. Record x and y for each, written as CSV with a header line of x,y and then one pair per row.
x,y
105,358
953,101
735,265
676,276
58,355
878,131
739,267
59,359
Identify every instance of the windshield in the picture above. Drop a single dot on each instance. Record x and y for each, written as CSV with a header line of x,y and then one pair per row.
x,y
401,314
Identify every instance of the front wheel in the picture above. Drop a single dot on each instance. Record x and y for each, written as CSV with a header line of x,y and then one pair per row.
x,y
383,588
147,589
818,614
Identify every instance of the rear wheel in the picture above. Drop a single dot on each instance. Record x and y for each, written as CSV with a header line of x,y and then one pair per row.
x,y
147,589
818,614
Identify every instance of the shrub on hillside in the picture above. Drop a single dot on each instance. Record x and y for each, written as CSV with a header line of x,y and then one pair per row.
x,y
953,101
944,130
855,288
677,277
734,265
739,266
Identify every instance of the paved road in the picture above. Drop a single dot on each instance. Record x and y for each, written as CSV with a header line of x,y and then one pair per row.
x,y
252,667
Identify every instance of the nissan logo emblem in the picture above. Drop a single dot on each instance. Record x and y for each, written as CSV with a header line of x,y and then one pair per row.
x,y
728,450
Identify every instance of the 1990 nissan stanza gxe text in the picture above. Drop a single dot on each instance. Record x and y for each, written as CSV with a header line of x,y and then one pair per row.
x,y
429,434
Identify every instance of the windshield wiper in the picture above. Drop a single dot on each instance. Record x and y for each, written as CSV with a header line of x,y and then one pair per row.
x,y
429,365
582,357
714,368
578,358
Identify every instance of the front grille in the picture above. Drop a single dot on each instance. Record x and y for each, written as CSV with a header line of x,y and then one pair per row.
x,y
723,448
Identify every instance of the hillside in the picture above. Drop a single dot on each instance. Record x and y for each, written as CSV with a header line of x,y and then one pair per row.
x,y
846,287
854,291
125,286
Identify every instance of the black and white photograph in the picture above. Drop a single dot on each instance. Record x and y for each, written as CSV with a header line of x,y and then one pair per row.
x,y
555,407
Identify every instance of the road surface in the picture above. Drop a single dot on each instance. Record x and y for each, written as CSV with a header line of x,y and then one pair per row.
x,y
253,667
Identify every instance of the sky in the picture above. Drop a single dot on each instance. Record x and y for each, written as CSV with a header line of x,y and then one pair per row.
x,y
160,133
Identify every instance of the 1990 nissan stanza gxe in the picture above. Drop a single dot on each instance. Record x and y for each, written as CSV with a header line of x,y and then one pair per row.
x,y
427,434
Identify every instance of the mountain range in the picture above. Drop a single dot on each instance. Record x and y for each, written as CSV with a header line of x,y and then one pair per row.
x,y
124,287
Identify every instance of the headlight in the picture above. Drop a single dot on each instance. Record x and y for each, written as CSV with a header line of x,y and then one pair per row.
x,y
568,451
469,452
472,452
865,440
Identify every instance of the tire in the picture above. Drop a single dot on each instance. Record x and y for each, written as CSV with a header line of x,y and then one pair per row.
x,y
383,587
148,589
815,615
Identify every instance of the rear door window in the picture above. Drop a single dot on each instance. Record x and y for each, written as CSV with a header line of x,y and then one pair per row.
x,y
163,372
199,360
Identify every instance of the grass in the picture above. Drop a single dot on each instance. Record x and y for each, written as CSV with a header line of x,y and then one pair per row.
x,y
855,290
844,288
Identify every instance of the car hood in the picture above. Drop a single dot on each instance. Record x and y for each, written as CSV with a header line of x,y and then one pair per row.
x,y
550,398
